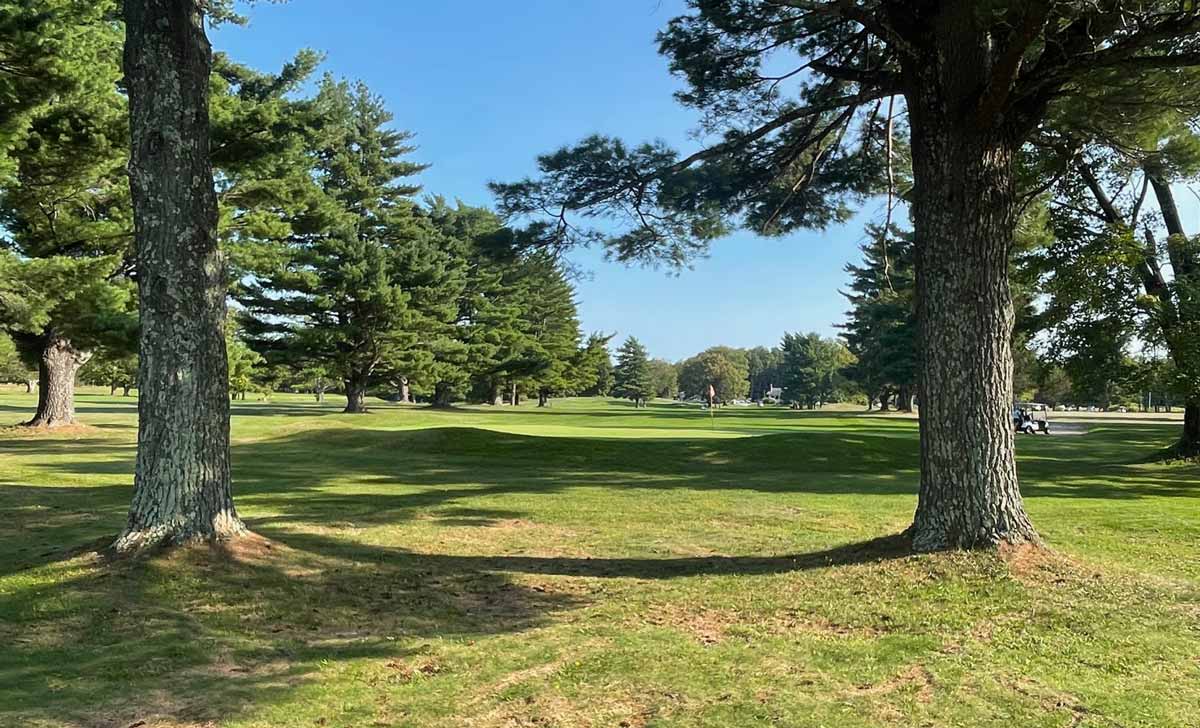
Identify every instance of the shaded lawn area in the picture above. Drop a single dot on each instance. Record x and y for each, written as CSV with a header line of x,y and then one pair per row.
x,y
592,565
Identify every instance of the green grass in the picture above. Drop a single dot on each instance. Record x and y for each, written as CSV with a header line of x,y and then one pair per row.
x,y
593,565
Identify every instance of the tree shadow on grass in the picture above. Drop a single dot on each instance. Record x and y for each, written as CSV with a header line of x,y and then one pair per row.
x,y
197,635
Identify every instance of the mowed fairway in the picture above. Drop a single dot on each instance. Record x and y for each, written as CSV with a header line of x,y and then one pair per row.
x,y
593,565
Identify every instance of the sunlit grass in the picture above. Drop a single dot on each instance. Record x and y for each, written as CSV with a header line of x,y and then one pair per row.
x,y
594,565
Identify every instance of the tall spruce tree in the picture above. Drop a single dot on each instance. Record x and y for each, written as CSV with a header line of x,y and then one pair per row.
x,y
881,328
796,90
362,284
551,325
631,375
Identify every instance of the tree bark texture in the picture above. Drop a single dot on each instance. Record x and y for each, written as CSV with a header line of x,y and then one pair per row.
x,y
181,488
59,363
964,213
356,395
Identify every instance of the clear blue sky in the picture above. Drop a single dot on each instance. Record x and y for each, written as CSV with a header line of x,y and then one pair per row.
x,y
487,86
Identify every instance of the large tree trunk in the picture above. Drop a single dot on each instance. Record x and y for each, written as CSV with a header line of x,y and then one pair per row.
x,y
442,394
181,486
59,363
1189,441
29,384
356,395
964,213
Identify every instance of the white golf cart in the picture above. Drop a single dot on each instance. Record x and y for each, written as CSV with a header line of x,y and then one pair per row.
x,y
1031,418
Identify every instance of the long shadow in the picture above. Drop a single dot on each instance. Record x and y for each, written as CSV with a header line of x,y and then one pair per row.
x,y
116,646
263,623
390,476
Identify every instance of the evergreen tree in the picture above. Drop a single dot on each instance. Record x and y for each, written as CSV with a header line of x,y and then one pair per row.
x,y
881,328
487,355
795,94
551,325
631,375
65,207
181,487
363,283
812,368
593,367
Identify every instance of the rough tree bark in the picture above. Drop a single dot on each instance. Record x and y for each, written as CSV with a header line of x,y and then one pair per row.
x,y
356,395
59,363
964,213
181,488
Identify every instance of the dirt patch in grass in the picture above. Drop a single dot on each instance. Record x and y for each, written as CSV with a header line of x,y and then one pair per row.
x,y
712,626
914,678
1051,701
555,711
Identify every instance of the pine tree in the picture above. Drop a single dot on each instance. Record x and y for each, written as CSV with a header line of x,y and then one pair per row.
x,y
881,328
363,283
801,98
551,325
593,368
486,352
65,206
631,375
181,487
812,368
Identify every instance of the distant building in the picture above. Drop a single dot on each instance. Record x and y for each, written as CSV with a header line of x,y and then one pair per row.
x,y
773,392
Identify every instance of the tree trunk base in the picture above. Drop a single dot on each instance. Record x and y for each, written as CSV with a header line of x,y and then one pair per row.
x,y
50,422
1183,449
223,529
929,534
